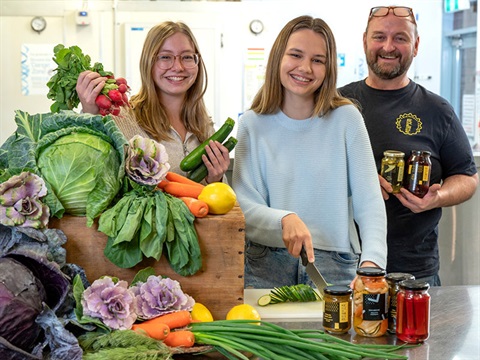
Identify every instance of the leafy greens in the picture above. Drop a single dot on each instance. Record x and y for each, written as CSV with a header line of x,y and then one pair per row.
x,y
71,62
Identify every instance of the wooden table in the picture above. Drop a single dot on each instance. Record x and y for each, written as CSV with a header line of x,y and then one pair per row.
x,y
218,285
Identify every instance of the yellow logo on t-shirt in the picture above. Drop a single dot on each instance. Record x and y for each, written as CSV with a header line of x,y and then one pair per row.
x,y
409,124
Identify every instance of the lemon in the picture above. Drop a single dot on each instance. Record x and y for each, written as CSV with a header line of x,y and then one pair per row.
x,y
219,197
243,312
201,313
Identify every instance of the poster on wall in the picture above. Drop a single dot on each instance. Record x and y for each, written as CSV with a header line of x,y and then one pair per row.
x,y
254,74
37,67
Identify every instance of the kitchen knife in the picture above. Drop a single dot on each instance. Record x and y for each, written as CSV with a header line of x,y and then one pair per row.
x,y
313,272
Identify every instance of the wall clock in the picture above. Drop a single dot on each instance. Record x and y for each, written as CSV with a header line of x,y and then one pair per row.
x,y
38,24
256,26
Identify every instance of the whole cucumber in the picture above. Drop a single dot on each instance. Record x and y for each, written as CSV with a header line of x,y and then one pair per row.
x,y
199,173
194,159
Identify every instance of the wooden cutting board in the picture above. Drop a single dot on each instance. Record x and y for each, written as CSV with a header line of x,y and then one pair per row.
x,y
289,311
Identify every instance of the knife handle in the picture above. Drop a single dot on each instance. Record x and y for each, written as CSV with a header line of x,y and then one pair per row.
x,y
303,255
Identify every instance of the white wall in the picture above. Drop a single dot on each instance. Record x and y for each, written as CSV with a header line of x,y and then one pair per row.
x,y
227,22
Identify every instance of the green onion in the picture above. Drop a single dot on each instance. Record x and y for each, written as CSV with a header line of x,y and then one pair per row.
x,y
270,341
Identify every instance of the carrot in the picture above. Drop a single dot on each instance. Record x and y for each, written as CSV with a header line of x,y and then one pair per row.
x,y
178,189
153,328
197,207
171,176
161,184
176,319
184,338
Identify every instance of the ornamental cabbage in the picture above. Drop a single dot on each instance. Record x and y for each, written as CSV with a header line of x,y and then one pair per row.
x,y
147,161
20,203
158,296
112,303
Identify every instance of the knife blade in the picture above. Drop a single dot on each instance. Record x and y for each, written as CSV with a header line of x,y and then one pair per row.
x,y
313,272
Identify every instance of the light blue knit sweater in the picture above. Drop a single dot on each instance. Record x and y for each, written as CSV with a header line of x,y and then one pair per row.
x,y
322,169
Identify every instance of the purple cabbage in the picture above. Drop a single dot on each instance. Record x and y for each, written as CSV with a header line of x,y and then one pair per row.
x,y
21,297
28,284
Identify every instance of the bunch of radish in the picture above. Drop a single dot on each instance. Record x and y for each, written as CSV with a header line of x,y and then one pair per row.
x,y
113,96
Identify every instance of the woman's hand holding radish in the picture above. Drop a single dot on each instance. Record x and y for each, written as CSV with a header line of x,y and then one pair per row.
x,y
89,86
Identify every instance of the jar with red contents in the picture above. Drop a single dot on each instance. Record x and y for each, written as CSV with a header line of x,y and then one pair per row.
x,y
417,180
413,311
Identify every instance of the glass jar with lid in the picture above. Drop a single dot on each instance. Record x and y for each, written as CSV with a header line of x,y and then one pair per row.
x,y
392,168
370,302
413,311
393,280
419,166
337,317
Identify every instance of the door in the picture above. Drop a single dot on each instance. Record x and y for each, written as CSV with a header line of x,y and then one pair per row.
x,y
459,228
463,55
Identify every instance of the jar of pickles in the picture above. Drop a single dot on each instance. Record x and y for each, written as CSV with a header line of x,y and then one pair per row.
x,y
393,280
413,311
370,302
392,168
417,180
337,317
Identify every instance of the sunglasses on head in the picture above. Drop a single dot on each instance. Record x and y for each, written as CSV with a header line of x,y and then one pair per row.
x,y
399,11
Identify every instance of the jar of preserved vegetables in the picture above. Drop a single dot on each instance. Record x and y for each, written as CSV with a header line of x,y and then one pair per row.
x,y
393,280
392,169
413,311
337,317
370,302
417,180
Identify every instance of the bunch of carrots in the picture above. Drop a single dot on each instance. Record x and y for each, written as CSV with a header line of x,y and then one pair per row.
x,y
169,328
187,190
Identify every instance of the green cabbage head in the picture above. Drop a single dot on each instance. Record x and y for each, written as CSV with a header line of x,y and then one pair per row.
x,y
82,170
81,157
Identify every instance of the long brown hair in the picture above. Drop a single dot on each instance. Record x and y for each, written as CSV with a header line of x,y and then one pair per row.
x,y
148,111
269,98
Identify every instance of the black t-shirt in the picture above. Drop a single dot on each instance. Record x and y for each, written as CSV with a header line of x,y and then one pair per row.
x,y
407,119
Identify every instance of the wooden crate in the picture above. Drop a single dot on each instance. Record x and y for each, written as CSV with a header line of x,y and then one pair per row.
x,y
218,285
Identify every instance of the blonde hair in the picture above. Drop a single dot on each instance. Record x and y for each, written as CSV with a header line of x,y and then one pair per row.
x,y
269,98
147,109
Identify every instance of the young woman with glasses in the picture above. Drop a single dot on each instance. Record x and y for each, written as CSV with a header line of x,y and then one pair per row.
x,y
304,172
169,106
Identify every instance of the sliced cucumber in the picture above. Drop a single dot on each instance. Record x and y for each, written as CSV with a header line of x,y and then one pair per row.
x,y
294,293
264,300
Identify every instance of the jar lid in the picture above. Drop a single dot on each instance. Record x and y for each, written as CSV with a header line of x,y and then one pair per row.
x,y
425,152
414,285
371,271
394,153
398,276
337,290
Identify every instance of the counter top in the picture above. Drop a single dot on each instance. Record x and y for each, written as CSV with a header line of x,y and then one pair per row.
x,y
454,326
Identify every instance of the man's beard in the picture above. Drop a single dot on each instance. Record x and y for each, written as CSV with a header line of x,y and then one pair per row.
x,y
388,73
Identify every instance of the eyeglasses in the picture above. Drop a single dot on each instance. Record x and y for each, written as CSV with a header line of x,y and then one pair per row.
x,y
399,11
188,60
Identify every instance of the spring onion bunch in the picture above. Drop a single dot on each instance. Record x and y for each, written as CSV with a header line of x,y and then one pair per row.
x,y
234,338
